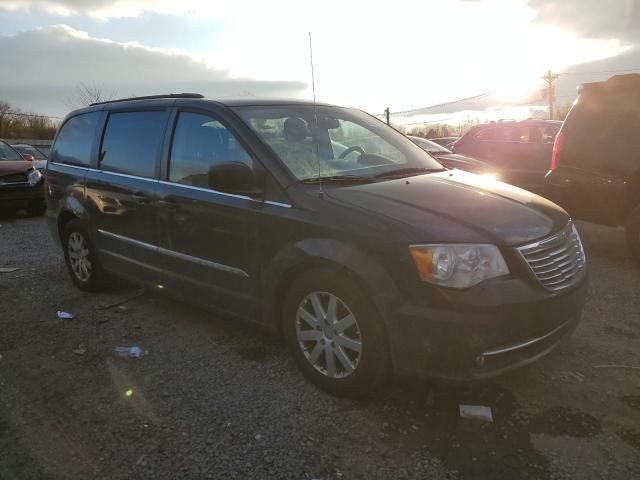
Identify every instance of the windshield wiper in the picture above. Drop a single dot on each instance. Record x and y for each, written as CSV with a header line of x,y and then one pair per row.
x,y
399,172
337,179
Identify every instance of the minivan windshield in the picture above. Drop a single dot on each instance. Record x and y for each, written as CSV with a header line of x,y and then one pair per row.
x,y
8,153
335,143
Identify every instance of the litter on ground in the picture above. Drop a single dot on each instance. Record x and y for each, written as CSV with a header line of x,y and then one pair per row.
x,y
131,352
476,412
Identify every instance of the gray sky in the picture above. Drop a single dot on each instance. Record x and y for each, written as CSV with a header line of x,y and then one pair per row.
x,y
404,55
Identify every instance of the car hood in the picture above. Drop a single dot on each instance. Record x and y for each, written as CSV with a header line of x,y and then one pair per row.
x,y
461,161
14,167
457,206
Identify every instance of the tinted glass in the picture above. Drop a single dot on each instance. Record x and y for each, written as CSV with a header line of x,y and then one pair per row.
x,y
603,136
330,141
37,154
75,139
8,153
132,143
199,142
487,134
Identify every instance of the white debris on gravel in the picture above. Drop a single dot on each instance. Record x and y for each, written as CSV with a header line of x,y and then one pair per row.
x,y
476,412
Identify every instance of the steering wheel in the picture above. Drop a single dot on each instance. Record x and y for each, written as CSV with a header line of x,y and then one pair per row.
x,y
355,148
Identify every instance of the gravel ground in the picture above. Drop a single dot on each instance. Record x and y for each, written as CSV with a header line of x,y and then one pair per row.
x,y
217,399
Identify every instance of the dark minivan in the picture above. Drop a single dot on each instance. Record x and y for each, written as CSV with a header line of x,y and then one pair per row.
x,y
321,223
595,169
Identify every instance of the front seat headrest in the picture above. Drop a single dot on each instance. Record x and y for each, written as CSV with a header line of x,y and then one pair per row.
x,y
295,129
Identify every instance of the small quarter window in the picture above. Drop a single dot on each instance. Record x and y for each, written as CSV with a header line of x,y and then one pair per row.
x,y
75,140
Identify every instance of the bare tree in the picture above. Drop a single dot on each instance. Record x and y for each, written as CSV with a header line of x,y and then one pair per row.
x,y
84,94
17,124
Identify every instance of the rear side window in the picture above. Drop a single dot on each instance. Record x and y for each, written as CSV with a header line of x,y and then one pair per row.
x,y
199,142
603,137
487,134
132,142
75,140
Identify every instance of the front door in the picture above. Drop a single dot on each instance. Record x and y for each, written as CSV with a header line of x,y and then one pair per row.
x,y
122,192
208,239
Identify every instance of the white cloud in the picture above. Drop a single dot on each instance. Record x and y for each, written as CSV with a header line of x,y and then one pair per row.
x,y
45,64
367,54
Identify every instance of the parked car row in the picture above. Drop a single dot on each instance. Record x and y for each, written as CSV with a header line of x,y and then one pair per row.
x,y
450,159
595,168
590,164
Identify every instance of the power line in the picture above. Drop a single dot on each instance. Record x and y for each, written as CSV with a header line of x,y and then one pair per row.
x,y
602,71
453,102
528,103
20,114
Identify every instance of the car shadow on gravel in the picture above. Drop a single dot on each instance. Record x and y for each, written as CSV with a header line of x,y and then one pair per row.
x,y
425,416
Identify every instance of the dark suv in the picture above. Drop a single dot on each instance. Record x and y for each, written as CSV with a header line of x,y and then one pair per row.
x,y
519,152
321,223
595,171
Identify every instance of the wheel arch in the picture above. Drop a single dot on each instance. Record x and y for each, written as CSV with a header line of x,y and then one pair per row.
x,y
70,208
360,266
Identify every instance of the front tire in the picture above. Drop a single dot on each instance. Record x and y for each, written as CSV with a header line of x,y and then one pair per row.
x,y
81,257
632,231
335,334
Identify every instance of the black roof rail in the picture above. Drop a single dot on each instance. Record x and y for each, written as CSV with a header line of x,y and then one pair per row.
x,y
152,97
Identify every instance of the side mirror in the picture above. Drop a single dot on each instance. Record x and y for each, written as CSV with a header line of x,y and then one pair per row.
x,y
232,177
28,157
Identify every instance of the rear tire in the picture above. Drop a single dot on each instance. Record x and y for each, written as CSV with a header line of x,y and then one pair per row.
x,y
632,231
335,334
81,257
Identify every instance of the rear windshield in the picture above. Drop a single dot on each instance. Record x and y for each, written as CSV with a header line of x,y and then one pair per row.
x,y
603,135
8,153
37,154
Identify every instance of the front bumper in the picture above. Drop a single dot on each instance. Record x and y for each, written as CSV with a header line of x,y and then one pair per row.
x,y
16,197
474,343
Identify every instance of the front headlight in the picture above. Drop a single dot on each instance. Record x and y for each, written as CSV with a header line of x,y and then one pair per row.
x,y
458,265
34,178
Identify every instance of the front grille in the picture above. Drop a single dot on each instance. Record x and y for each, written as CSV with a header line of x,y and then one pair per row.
x,y
15,178
558,261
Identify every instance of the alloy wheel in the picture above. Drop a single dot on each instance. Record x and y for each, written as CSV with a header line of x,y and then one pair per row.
x,y
78,252
328,334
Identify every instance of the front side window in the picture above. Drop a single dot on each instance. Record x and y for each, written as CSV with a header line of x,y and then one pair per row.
x,y
8,153
75,140
132,143
200,142
333,141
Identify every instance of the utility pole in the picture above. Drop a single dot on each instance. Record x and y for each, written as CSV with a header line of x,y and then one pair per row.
x,y
551,90
386,115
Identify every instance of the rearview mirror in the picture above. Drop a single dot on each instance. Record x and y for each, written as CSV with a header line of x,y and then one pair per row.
x,y
28,157
232,177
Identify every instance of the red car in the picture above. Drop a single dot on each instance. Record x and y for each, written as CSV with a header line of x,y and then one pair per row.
x,y
21,185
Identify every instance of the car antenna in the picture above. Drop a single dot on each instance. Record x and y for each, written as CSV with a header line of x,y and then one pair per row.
x,y
315,116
